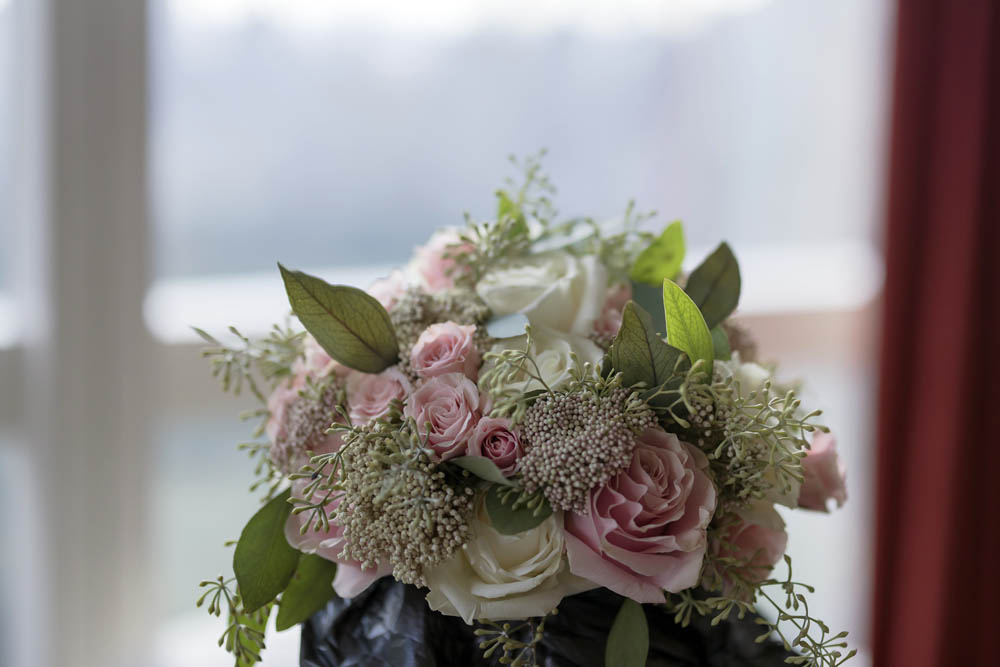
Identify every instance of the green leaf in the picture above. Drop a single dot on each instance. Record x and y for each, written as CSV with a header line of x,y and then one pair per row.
x,y
638,352
309,590
715,285
662,259
483,468
509,521
350,324
650,297
250,646
720,344
628,640
686,328
264,561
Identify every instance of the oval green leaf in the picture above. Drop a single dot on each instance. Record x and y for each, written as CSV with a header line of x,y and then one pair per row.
x,y
350,324
661,260
686,328
720,344
628,640
508,521
264,561
638,352
715,285
310,588
483,468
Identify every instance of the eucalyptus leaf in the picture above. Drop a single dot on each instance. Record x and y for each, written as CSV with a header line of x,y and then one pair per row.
x,y
638,352
310,588
686,328
628,639
508,521
715,285
264,561
483,468
350,324
662,258
507,326
720,344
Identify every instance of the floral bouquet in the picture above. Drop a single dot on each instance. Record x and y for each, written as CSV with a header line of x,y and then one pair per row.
x,y
531,409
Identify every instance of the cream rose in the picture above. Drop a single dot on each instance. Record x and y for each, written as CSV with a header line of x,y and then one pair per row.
x,y
504,576
553,354
553,289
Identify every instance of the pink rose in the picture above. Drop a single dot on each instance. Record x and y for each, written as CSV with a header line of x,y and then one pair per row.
x,y
388,290
433,263
446,348
278,403
350,579
610,319
446,409
369,395
646,528
494,440
823,475
759,540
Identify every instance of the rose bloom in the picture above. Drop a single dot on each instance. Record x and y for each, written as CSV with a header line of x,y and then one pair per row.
x,y
610,319
350,579
494,439
446,348
646,528
500,577
553,289
553,354
760,539
431,264
388,290
823,475
369,394
446,409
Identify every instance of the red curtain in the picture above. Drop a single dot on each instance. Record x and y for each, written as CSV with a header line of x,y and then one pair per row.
x,y
937,576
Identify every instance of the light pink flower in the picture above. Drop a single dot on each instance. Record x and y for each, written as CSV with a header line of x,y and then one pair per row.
x,y
388,290
760,540
446,409
278,403
350,579
494,439
432,264
645,532
446,348
369,394
823,475
610,319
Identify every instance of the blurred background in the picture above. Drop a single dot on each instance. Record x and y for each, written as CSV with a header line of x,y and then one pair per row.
x,y
157,158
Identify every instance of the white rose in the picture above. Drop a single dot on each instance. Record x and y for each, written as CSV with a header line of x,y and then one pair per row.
x,y
553,355
504,577
553,289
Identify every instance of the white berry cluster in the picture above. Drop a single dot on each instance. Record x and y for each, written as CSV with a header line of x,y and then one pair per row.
x,y
578,441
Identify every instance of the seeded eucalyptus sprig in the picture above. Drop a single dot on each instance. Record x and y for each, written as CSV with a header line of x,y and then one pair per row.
x,y
515,642
244,634
253,362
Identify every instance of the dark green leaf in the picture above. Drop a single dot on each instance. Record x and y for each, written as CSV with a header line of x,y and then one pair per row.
x,y
309,590
638,352
628,640
720,343
350,324
483,468
264,561
650,297
662,259
715,285
686,328
509,521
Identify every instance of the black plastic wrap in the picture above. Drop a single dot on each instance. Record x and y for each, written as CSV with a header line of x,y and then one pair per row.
x,y
390,624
